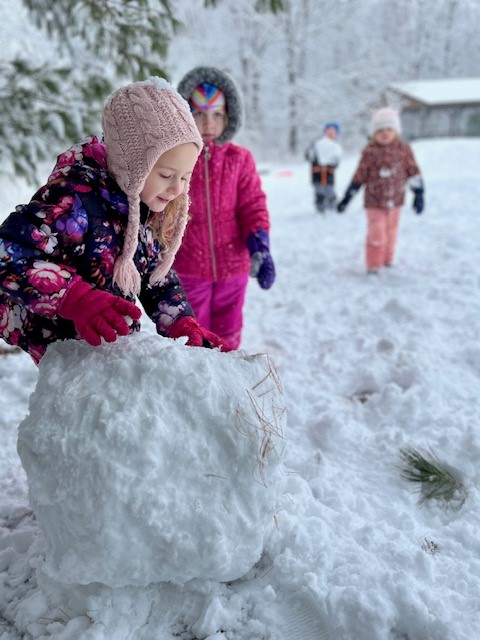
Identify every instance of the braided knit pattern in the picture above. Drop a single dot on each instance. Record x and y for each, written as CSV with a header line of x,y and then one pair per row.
x,y
125,274
141,122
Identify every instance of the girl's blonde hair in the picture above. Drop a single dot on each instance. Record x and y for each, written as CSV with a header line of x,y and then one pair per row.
x,y
163,225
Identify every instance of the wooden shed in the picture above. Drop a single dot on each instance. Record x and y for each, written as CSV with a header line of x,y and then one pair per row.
x,y
438,108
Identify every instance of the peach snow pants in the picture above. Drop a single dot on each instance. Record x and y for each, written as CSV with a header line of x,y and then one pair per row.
x,y
382,231
218,304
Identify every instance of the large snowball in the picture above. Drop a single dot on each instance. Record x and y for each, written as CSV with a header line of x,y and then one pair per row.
x,y
149,461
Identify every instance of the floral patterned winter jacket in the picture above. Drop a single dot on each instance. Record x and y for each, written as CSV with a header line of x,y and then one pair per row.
x,y
227,205
385,170
74,225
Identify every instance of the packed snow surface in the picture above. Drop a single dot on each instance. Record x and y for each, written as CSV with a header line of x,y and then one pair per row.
x,y
150,461
368,365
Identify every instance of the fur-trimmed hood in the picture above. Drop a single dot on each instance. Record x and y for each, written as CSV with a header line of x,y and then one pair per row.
x,y
231,91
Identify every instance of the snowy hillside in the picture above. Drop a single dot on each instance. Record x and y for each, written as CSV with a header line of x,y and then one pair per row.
x,y
368,366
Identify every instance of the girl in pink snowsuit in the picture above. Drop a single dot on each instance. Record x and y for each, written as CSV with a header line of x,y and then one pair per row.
x,y
386,165
227,235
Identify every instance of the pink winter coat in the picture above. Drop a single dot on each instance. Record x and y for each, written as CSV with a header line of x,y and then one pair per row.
x,y
384,170
227,205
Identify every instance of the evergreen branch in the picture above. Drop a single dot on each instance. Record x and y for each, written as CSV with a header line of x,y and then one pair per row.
x,y
262,6
130,34
435,480
47,106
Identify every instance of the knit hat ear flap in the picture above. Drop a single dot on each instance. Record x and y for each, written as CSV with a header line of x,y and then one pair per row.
x,y
125,274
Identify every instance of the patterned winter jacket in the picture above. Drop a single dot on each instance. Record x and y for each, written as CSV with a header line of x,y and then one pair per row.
x,y
385,170
227,204
74,225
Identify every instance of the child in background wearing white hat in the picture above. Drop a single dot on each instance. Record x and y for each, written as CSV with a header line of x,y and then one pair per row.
x,y
386,166
104,229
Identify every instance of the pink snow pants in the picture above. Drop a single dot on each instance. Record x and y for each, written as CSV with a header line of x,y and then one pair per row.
x,y
218,305
382,234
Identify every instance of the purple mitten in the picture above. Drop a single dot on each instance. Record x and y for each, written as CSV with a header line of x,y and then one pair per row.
x,y
261,263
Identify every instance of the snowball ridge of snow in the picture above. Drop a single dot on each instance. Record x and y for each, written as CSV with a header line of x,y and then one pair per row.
x,y
151,461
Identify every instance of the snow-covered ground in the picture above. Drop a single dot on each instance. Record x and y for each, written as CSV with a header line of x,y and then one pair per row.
x,y
368,365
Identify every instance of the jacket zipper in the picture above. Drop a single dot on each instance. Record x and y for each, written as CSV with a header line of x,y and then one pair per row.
x,y
209,212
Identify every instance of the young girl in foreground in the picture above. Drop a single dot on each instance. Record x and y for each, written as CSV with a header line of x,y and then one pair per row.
x,y
104,229
386,165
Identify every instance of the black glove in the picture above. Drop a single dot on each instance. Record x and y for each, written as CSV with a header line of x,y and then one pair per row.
x,y
350,192
418,200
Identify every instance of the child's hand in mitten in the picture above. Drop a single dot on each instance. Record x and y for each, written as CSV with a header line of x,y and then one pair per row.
x,y
349,193
418,203
197,336
97,314
261,262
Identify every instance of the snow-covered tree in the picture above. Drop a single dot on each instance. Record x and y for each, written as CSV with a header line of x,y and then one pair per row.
x,y
298,62
80,51
52,90
322,60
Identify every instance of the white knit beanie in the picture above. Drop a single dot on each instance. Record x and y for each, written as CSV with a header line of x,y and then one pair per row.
x,y
386,118
141,122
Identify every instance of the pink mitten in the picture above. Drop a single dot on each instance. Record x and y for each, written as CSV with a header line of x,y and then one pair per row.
x,y
97,314
197,335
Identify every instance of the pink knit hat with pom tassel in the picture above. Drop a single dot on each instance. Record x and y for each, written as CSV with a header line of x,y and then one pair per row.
x,y
385,118
141,122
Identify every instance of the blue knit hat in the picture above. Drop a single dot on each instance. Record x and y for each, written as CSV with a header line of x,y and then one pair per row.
x,y
333,124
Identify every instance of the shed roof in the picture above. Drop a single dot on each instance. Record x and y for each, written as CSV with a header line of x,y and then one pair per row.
x,y
439,92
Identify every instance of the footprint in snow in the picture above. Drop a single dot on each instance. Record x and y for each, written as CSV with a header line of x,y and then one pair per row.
x,y
300,618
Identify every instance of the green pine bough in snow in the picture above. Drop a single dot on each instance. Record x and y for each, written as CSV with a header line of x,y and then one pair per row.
x,y
435,479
